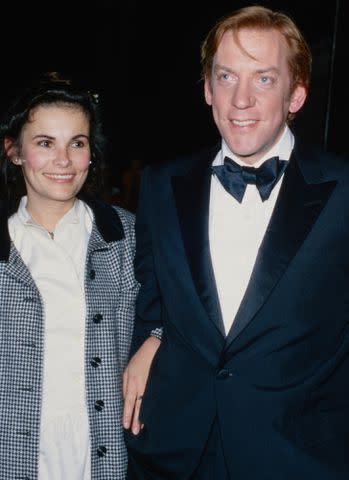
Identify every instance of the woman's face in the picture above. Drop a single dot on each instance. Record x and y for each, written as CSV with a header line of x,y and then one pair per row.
x,y
55,154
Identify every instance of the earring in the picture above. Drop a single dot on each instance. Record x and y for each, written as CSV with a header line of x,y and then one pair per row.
x,y
18,161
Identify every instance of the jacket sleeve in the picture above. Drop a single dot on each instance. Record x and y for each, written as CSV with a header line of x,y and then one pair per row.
x,y
129,289
148,306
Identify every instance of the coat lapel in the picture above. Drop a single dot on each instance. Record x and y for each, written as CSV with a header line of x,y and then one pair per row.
x,y
192,195
5,241
9,256
298,206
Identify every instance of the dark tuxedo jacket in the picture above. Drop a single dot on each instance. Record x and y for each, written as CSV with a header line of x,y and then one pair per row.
x,y
278,384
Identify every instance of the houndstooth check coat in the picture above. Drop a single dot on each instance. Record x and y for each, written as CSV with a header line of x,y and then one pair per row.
x,y
110,289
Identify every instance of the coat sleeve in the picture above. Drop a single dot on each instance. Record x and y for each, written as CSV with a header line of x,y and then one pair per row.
x,y
148,306
129,288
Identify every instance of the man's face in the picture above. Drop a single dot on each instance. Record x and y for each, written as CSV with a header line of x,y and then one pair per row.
x,y
250,91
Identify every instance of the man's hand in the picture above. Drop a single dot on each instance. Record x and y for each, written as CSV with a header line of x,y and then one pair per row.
x,y
134,382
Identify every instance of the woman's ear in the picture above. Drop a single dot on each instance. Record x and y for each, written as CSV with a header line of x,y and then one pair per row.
x,y
12,151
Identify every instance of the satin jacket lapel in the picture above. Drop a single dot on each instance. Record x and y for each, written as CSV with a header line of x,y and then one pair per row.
x,y
298,206
192,195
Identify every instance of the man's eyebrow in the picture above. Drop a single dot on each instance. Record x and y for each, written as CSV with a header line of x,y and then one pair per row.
x,y
222,67
218,67
268,69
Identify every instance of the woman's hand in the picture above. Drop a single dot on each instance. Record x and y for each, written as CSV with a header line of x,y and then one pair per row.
x,y
134,382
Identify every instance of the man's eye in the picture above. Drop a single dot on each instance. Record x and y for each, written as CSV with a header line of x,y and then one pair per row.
x,y
265,80
225,76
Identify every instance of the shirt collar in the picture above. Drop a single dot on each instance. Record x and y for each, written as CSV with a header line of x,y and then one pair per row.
x,y
74,215
283,149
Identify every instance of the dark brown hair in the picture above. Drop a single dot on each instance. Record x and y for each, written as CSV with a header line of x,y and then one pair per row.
x,y
51,89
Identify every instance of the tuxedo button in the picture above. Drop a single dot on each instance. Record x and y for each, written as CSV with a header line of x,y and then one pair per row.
x,y
92,274
224,374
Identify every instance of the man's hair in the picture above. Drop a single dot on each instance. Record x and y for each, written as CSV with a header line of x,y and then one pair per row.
x,y
261,18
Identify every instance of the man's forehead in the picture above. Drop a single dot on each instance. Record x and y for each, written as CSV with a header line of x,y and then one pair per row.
x,y
256,43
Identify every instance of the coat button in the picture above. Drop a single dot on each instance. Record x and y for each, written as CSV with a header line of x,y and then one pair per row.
x,y
24,433
224,374
29,344
99,405
95,362
92,274
29,299
101,451
98,318
26,389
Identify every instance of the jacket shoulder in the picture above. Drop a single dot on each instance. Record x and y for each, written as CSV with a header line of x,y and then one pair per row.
x,y
127,218
182,164
324,165
124,214
335,166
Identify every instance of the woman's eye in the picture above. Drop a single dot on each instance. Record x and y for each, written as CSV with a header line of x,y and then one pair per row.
x,y
78,144
44,143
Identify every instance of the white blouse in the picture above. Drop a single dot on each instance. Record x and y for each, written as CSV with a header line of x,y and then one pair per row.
x,y
57,266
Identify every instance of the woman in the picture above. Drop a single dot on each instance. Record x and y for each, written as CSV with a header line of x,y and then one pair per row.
x,y
67,293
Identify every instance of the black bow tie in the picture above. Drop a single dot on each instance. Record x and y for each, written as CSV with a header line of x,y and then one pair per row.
x,y
235,178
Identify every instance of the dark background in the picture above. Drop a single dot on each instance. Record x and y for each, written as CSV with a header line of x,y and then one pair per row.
x,y
144,61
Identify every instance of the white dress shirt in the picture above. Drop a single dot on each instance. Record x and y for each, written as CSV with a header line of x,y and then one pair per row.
x,y
236,230
57,266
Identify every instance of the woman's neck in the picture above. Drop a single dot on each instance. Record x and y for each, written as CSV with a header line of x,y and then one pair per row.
x,y
48,214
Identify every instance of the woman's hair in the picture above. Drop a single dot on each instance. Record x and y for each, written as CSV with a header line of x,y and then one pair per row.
x,y
261,18
51,89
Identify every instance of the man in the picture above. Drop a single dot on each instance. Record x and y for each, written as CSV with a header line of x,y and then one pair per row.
x,y
243,262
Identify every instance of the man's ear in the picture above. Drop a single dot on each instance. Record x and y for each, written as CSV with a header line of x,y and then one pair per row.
x,y
297,99
208,91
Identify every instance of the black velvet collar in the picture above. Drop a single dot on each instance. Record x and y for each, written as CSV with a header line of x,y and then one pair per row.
x,y
107,221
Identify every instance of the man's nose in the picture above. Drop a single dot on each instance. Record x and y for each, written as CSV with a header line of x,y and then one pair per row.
x,y
243,96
